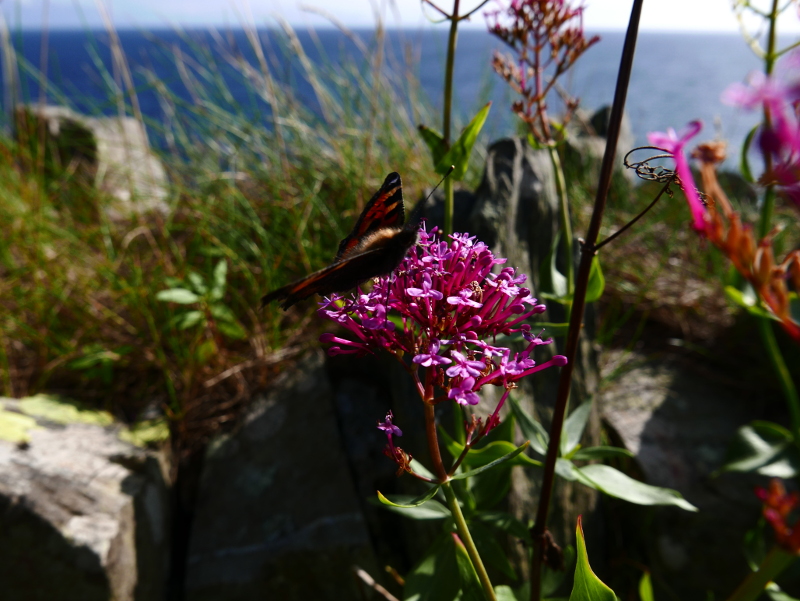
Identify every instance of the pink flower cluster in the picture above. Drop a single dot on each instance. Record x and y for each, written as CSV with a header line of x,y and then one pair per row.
x,y
445,308
778,95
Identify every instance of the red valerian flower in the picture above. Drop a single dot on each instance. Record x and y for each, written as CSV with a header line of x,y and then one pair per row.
x,y
778,504
445,308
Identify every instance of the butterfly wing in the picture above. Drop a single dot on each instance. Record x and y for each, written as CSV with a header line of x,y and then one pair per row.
x,y
382,257
384,210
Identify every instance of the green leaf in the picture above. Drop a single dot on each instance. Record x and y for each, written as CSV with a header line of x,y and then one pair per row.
x,y
775,593
504,593
218,280
597,282
754,545
496,450
569,471
420,469
574,426
436,577
490,550
748,300
182,296
646,588
223,312
765,448
197,283
744,163
616,484
531,429
587,586
460,151
552,283
471,589
492,464
552,579
434,141
184,321
507,523
591,453
233,330
415,502
491,487
431,510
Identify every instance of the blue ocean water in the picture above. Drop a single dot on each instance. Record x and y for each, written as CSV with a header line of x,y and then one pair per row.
x,y
676,77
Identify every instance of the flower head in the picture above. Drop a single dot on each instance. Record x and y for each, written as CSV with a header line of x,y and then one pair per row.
x,y
445,308
778,504
675,145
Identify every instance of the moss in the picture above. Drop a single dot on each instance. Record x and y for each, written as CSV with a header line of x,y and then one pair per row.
x,y
145,433
15,427
62,411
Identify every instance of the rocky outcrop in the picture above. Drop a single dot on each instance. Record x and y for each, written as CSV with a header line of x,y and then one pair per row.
x,y
83,515
277,511
111,153
679,420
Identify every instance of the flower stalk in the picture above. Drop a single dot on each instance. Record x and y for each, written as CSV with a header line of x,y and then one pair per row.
x,y
539,531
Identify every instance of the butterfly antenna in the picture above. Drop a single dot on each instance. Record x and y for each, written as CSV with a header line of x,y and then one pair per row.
x,y
419,208
446,175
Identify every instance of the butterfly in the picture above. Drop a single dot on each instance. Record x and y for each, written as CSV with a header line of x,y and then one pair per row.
x,y
375,247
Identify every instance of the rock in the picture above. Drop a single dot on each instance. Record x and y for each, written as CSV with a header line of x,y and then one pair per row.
x,y
277,512
111,153
83,515
516,214
679,422
586,145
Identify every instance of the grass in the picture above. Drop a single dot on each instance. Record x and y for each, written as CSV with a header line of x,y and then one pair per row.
x,y
265,190
80,293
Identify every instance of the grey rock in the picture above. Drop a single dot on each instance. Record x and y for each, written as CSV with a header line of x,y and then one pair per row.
x,y
679,422
277,512
75,523
516,214
111,153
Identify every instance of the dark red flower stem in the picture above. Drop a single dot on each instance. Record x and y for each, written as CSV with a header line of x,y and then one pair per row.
x,y
576,317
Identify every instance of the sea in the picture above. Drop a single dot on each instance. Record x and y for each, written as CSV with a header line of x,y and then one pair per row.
x,y
677,77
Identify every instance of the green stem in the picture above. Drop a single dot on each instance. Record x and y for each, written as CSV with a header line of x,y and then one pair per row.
x,y
782,371
447,116
768,207
466,538
566,225
774,563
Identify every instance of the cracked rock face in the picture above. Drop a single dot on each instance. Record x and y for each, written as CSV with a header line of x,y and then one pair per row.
x,y
82,514
277,511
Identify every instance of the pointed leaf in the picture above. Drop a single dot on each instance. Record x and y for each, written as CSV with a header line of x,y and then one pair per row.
x,y
597,282
416,502
504,593
748,301
495,451
420,469
591,453
553,283
507,523
494,463
531,429
218,280
182,296
471,589
587,587
490,550
436,577
197,283
233,330
460,151
569,471
616,484
646,588
431,510
744,162
184,321
434,141
574,426
765,448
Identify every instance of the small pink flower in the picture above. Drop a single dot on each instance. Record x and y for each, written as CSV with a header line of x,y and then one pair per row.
x,y
675,144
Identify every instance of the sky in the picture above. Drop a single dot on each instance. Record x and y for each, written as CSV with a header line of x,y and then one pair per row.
x,y
658,15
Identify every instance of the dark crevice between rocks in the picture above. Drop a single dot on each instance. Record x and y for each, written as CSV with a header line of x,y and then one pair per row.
x,y
184,500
